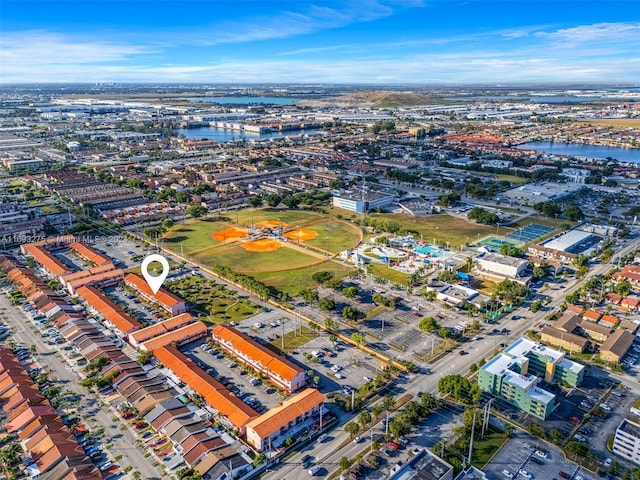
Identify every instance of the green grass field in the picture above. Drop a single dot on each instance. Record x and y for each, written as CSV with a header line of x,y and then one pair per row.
x,y
293,339
441,228
292,281
194,236
240,260
334,236
382,271
513,179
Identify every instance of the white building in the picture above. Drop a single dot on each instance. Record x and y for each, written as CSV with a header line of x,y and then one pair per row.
x,y
576,175
502,265
626,441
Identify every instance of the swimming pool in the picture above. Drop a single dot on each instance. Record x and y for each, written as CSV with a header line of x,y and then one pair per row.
x,y
432,251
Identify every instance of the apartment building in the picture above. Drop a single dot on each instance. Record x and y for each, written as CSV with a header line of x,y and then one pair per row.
x,y
616,346
173,304
626,441
280,371
515,373
285,420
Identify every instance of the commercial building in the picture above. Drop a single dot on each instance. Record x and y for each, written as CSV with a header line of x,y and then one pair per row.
x,y
360,201
573,241
280,371
515,373
626,441
532,193
173,304
576,175
502,266
616,346
285,420
425,465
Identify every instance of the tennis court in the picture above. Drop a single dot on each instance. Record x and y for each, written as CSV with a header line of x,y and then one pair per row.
x,y
530,232
495,243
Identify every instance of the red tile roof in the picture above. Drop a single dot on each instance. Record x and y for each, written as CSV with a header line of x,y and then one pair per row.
x,y
46,259
280,415
109,309
212,391
89,253
163,296
159,328
259,353
180,336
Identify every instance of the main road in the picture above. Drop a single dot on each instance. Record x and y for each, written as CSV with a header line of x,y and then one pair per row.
x,y
327,454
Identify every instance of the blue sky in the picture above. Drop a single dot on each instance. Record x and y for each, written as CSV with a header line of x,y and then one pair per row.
x,y
339,41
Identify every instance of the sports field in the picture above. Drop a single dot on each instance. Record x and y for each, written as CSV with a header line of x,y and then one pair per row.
x,y
443,228
282,248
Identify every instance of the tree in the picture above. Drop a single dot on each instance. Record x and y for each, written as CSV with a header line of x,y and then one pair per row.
x,y
350,292
623,287
327,304
308,294
357,337
351,313
510,250
536,305
196,211
259,460
322,277
254,201
483,216
144,357
388,402
352,428
457,386
273,199
364,418
188,473
573,213
510,291
344,461
428,324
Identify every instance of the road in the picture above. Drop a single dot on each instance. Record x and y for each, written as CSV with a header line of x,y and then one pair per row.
x,y
328,456
95,413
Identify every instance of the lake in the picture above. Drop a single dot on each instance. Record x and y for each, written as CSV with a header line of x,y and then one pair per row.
x,y
587,151
246,100
227,135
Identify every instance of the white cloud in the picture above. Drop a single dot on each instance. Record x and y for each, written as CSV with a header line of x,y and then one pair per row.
x,y
622,33
39,49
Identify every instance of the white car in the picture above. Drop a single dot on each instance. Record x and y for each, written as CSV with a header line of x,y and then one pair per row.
x,y
357,440
541,454
507,473
524,473
313,470
338,376
605,407
607,462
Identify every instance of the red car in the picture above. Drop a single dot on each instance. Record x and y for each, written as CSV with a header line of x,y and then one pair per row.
x,y
564,474
415,314
575,420
140,424
394,445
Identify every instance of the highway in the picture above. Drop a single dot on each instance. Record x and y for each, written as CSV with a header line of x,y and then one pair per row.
x,y
327,454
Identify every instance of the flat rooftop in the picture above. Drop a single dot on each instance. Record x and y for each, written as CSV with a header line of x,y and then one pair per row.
x,y
502,259
568,240
630,428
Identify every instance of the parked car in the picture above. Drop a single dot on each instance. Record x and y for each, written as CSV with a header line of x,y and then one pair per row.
x,y
507,473
541,454
524,473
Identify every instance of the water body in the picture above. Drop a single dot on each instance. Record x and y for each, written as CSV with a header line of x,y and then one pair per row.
x,y
587,151
247,100
227,135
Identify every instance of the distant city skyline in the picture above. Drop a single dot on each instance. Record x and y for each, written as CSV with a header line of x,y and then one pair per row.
x,y
355,41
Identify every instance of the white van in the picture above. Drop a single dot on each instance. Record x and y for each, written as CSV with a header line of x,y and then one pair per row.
x,y
313,470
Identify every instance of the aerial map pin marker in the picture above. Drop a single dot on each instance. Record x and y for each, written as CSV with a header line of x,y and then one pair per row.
x,y
155,282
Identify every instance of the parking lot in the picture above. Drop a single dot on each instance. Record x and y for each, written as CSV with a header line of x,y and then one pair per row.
x,y
519,453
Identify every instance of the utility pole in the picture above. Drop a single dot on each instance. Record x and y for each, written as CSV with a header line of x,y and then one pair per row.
x,y
321,408
473,427
386,425
353,399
